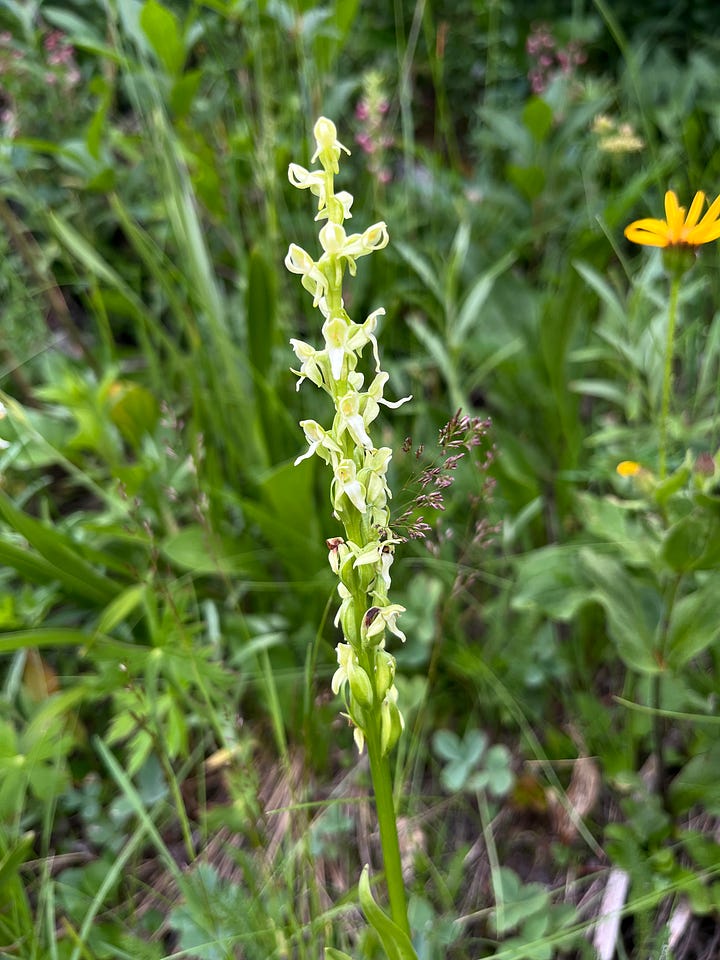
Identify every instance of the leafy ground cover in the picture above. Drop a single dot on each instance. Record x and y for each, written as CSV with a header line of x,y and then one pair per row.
x,y
175,779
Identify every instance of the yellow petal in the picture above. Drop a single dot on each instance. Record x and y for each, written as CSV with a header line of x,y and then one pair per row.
x,y
712,213
651,233
674,213
695,209
706,234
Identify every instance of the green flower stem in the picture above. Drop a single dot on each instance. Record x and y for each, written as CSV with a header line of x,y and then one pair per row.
x,y
667,374
384,804
387,821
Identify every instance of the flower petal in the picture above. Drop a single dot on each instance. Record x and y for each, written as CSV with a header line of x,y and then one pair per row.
x,y
695,210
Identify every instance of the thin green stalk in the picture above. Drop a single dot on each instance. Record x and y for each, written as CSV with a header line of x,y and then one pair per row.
x,y
667,374
387,822
385,807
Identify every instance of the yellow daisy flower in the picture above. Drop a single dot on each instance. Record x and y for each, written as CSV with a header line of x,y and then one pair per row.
x,y
678,230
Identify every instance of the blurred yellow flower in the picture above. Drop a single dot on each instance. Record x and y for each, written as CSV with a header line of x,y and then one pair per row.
x,y
676,229
628,468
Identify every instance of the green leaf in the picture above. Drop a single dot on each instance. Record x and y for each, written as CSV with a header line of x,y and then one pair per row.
x,y
121,607
476,297
161,28
447,744
14,858
395,941
135,412
698,782
605,389
517,902
183,93
529,180
422,268
693,543
694,623
672,484
94,131
67,564
261,311
602,288
27,564
538,118
288,517
632,608
199,551
332,954
42,637
549,581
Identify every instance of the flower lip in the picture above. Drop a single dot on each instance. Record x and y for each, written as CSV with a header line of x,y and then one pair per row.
x,y
678,229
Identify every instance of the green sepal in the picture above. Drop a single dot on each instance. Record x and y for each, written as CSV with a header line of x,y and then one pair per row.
x,y
395,941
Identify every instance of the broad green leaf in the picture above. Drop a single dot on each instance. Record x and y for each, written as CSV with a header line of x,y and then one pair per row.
x,y
289,519
672,484
632,609
694,623
183,92
395,941
693,543
96,127
549,580
332,954
135,412
529,180
538,118
162,30
199,551
612,520
698,782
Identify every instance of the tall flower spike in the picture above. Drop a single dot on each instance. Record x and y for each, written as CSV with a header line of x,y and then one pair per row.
x,y
359,490
359,493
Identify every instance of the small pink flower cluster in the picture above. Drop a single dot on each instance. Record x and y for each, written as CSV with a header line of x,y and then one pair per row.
x,y
373,137
20,83
548,60
60,54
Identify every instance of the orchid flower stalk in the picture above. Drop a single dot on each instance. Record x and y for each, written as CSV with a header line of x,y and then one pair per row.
x,y
359,492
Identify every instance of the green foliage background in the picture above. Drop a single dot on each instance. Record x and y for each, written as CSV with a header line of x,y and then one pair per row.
x,y
173,774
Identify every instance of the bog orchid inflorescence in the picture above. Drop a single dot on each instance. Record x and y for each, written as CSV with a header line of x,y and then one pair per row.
x,y
359,490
